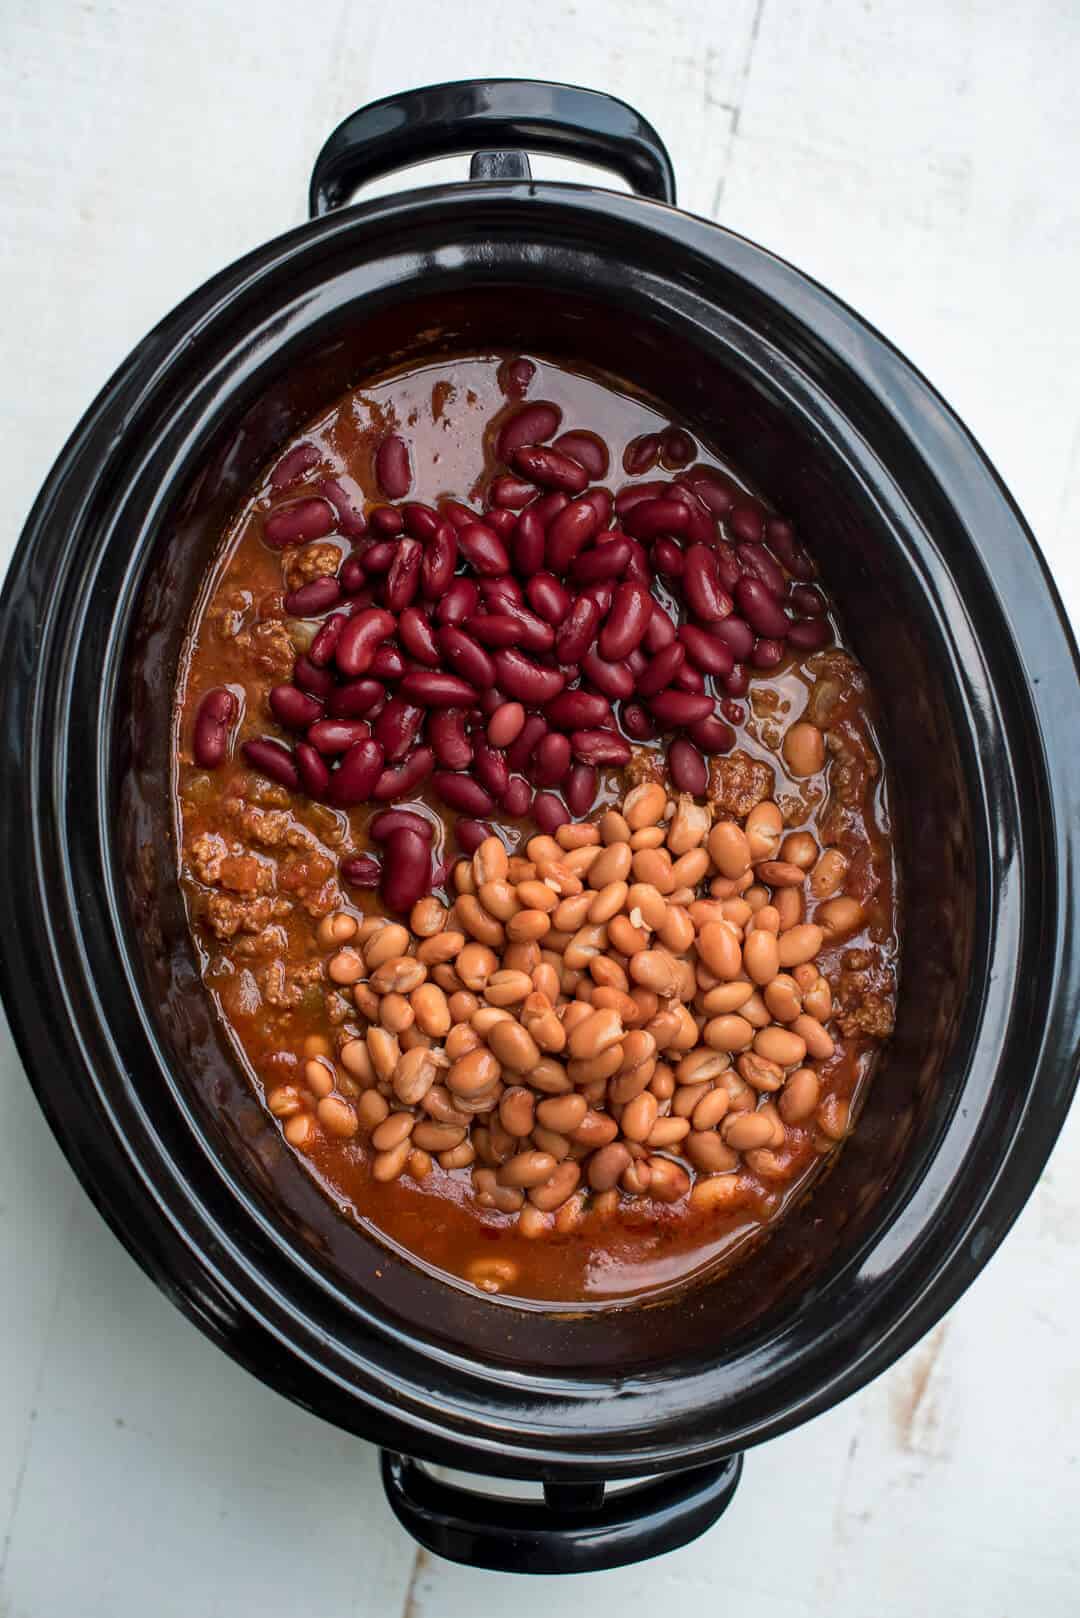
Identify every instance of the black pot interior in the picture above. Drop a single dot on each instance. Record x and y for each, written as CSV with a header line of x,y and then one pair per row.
x,y
893,625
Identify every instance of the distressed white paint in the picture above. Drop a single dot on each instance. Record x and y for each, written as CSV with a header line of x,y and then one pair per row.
x,y
920,159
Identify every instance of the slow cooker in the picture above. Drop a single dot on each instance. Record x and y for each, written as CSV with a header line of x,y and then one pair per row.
x,y
948,603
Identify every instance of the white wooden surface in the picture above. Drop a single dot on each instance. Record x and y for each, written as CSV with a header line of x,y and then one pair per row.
x,y
920,159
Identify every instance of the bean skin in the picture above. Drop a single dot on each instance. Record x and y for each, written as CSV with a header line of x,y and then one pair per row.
x,y
627,623
529,425
525,681
216,713
392,467
550,469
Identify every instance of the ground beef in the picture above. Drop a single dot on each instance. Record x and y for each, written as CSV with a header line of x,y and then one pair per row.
x,y
273,940
247,874
738,782
208,852
313,880
313,562
227,916
267,828
281,987
864,996
270,647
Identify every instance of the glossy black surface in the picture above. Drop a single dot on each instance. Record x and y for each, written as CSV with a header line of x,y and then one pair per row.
x,y
949,605
444,119
578,1530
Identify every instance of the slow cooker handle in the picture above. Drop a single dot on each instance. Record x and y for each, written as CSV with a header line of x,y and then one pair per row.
x,y
443,120
578,1529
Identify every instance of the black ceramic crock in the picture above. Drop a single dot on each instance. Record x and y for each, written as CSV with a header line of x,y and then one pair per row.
x,y
946,600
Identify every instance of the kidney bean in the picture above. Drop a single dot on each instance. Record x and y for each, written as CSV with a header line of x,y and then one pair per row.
x,y
636,494
578,630
613,679
520,751
606,560
493,629
388,821
351,522
418,637
431,688
599,747
808,601
420,521
352,577
505,724
392,467
677,448
378,558
810,635
701,585
324,646
503,522
737,683
502,593
568,533
510,492
688,678
714,489
530,425
361,871
292,707
312,769
755,559
689,772
217,711
650,518
387,520
406,778
548,813
456,514
357,638
627,622
406,873
761,609
679,708
706,651
470,834
403,580
396,728
746,520
297,523
319,682
547,506
293,464
711,735
548,598
517,798
438,563
460,600
641,454
388,663
528,543
579,788
578,710
550,469
466,656
662,669
668,558
355,699
483,549
736,635
551,760
449,742
637,723
661,631
637,662
587,448
514,376
462,793
524,680
270,758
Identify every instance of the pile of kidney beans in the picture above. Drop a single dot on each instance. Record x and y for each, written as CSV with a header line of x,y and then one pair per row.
x,y
500,657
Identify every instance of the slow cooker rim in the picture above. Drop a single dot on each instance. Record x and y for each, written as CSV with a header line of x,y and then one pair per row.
x,y
266,261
